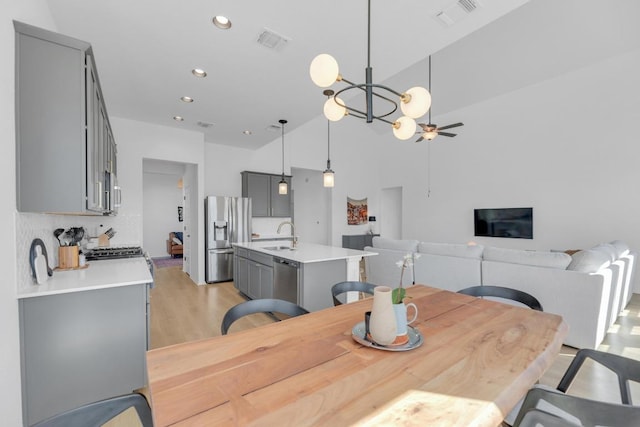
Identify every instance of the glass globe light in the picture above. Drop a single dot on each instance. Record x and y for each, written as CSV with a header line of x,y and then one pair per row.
x,y
404,128
332,110
415,102
324,70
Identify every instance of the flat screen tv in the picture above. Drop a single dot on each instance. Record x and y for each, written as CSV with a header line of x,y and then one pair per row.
x,y
515,223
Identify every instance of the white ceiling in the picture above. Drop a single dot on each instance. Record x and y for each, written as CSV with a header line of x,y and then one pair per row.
x,y
145,51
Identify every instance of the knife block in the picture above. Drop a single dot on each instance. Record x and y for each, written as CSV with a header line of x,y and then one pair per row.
x,y
68,257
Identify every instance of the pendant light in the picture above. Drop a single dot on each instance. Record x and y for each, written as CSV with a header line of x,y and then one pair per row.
x,y
414,102
282,185
328,175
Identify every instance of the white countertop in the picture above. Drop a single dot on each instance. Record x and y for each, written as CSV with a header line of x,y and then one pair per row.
x,y
98,275
305,252
271,237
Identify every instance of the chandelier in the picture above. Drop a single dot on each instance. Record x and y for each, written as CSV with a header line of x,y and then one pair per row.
x,y
414,102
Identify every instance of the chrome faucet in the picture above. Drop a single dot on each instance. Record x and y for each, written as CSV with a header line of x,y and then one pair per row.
x,y
294,241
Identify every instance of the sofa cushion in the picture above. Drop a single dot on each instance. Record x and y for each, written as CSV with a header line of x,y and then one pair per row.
x,y
449,249
621,248
535,258
395,244
589,261
607,249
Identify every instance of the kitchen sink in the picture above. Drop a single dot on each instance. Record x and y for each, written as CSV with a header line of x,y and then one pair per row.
x,y
279,248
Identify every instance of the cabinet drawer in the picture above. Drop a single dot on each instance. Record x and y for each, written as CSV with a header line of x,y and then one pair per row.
x,y
261,258
242,252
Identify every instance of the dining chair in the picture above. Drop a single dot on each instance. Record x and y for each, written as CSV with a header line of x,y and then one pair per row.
x,y
343,287
265,305
577,410
98,413
503,292
626,370
536,418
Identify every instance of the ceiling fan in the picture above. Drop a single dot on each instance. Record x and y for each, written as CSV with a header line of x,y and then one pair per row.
x,y
431,130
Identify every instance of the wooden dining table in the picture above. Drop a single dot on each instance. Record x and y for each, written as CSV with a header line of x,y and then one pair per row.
x,y
478,359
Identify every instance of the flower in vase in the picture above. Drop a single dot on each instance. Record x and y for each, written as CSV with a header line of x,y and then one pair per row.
x,y
397,295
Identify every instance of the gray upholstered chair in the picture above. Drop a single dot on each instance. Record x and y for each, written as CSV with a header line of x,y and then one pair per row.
x,y
343,287
265,305
98,413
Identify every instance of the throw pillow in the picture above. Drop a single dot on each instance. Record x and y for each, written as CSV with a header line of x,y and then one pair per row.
x,y
178,235
176,241
589,261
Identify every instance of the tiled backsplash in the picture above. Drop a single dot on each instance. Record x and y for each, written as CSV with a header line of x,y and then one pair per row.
x,y
268,226
30,226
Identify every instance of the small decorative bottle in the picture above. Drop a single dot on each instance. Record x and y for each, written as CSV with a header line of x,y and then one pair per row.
x,y
382,324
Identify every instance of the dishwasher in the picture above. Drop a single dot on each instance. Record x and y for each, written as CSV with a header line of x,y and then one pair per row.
x,y
285,280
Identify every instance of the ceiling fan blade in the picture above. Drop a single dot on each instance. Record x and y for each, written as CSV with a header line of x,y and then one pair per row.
x,y
455,125
447,134
420,139
427,127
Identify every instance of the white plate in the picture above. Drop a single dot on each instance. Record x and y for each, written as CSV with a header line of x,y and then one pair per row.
x,y
415,339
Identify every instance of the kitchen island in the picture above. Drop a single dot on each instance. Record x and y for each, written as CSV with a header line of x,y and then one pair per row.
x,y
315,268
83,336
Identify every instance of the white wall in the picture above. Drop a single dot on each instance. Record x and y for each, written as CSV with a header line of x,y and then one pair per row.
x,y
34,12
138,141
161,200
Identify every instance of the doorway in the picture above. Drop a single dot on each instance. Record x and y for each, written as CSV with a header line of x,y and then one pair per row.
x,y
311,206
167,193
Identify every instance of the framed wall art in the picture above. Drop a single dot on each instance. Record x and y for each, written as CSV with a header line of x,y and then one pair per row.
x,y
356,211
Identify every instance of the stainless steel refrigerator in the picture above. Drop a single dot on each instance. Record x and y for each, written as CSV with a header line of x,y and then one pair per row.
x,y
228,221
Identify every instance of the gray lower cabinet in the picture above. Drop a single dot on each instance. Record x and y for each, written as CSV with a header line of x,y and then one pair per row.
x,y
265,199
81,347
253,275
357,241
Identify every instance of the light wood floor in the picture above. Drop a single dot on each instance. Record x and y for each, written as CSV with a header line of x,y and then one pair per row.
x,y
182,311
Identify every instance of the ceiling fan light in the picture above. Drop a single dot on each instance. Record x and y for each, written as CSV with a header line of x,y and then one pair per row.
x,y
404,128
415,102
324,70
334,109
430,134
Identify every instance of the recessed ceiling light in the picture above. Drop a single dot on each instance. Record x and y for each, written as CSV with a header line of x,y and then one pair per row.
x,y
221,22
178,118
199,72
186,99
247,132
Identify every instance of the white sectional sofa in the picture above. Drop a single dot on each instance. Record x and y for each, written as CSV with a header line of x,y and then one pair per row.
x,y
588,288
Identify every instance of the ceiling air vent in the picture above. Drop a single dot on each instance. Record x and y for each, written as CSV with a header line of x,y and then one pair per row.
x,y
274,128
456,11
272,40
204,125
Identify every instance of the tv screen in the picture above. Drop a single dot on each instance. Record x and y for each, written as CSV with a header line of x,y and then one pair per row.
x,y
516,223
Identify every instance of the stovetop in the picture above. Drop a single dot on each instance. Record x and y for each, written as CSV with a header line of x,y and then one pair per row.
x,y
113,252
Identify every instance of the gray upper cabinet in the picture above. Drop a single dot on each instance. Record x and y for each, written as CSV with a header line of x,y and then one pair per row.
x,y
66,153
265,199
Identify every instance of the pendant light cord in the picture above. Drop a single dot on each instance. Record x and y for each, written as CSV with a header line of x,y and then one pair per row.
x,y
282,150
328,144
369,35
